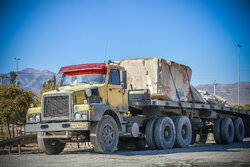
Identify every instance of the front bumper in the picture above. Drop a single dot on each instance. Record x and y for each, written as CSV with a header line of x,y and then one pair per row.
x,y
58,126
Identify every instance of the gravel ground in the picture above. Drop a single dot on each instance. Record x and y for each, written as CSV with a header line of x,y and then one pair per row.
x,y
237,154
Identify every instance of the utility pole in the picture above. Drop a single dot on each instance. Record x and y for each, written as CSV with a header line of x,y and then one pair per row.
x,y
1,79
239,76
214,87
17,59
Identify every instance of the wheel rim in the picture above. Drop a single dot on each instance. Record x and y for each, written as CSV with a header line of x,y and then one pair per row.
x,y
167,133
184,131
54,143
107,134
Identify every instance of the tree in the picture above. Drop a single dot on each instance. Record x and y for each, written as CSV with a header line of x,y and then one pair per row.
x,y
13,76
2,126
244,107
47,86
14,103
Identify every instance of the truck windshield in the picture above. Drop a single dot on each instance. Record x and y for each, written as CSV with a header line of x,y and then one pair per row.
x,y
81,79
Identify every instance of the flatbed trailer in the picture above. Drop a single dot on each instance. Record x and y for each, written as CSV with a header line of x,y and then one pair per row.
x,y
141,103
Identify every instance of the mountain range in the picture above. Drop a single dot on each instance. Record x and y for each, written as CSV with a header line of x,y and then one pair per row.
x,y
230,92
33,79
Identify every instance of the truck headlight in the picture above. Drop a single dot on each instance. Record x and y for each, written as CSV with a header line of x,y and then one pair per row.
x,y
38,118
78,116
34,117
31,118
81,115
84,117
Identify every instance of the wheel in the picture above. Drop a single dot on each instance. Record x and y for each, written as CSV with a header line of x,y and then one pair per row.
x,y
193,140
239,129
104,135
122,144
227,131
150,133
216,131
183,131
50,146
164,133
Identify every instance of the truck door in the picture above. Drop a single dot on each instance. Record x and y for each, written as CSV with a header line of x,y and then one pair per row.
x,y
115,94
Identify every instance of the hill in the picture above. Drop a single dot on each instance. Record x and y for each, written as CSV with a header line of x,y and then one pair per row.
x,y
230,92
31,79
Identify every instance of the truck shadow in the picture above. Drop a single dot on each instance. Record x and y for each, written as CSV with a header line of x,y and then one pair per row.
x,y
194,148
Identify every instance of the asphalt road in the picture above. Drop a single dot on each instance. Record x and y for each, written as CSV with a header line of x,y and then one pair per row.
x,y
237,154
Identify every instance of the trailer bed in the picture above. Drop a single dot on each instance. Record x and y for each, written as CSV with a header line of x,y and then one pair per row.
x,y
188,105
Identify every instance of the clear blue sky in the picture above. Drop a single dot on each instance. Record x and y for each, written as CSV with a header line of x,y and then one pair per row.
x,y
202,34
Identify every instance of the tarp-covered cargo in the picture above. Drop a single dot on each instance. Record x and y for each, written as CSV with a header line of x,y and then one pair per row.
x,y
161,77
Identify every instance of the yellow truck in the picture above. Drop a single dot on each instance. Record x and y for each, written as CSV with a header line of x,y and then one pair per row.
x,y
94,104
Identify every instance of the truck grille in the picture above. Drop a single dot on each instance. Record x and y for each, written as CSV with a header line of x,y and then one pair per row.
x,y
56,106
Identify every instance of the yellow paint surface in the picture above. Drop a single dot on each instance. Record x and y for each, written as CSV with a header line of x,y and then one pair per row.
x,y
83,107
34,110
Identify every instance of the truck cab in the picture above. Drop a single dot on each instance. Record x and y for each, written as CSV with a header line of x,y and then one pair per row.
x,y
88,93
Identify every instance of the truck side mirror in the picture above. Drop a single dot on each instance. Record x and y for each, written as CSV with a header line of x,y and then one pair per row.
x,y
124,79
53,82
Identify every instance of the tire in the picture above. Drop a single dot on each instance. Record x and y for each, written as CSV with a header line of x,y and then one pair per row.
x,y
50,146
217,131
104,135
150,133
239,129
164,133
227,130
183,131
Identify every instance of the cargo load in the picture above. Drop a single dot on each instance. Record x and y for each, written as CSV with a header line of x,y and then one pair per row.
x,y
196,96
213,99
163,78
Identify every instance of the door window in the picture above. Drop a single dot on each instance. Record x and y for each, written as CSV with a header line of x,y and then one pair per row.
x,y
114,77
